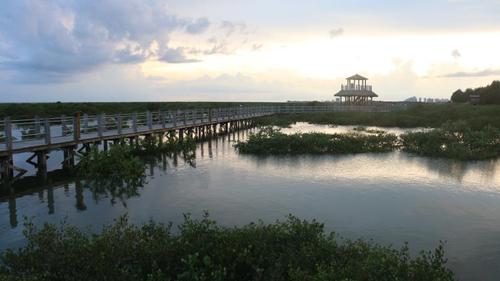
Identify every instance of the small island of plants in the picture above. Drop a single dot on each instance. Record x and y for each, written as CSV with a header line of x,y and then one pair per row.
x,y
272,141
452,140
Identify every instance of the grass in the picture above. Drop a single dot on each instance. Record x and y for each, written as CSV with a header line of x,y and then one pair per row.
x,y
271,141
292,249
420,115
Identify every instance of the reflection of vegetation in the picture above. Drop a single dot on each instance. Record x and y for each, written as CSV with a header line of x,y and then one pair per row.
x,y
202,250
271,141
421,115
455,140
115,188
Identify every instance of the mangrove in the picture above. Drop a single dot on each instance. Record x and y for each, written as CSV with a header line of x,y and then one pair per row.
x,y
272,141
454,140
201,249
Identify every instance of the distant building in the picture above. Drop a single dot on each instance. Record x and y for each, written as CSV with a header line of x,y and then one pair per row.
x,y
356,90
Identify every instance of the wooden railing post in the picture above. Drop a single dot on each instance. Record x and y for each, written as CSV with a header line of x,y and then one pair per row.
x,y
64,129
46,125
8,133
119,123
85,123
100,125
174,118
134,122
37,125
76,126
149,120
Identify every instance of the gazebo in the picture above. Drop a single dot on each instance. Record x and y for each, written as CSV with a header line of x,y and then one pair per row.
x,y
356,90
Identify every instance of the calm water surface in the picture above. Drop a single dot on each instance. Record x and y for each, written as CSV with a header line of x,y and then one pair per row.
x,y
390,198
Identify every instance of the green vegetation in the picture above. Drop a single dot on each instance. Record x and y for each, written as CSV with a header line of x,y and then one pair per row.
x,y
30,110
118,163
487,95
454,140
420,115
271,141
152,145
202,250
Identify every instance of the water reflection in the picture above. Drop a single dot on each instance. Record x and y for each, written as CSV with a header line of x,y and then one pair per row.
x,y
390,197
455,169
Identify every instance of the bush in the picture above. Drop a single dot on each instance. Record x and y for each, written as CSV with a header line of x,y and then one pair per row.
x,y
272,141
202,250
454,140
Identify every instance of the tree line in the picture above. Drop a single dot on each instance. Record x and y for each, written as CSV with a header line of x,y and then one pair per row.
x,y
487,95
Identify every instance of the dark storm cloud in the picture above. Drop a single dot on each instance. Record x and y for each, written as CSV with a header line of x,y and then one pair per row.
x,y
56,38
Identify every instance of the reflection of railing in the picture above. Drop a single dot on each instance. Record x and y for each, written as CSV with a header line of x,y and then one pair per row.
x,y
354,87
26,134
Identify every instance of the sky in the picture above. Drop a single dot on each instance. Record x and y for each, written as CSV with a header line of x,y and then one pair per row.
x,y
235,50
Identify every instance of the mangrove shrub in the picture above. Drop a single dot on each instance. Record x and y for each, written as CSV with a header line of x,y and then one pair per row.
x,y
454,140
202,250
272,141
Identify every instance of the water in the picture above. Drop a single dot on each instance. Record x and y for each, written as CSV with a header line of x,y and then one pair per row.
x,y
390,198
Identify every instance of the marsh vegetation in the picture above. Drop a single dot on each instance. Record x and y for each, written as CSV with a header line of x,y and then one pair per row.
x,y
418,115
292,249
271,141
452,140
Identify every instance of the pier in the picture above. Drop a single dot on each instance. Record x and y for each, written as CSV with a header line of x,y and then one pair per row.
x,y
75,134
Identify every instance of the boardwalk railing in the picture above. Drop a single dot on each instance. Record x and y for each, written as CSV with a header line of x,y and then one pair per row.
x,y
24,135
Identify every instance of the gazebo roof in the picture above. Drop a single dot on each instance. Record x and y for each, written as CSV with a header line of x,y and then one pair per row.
x,y
357,77
356,93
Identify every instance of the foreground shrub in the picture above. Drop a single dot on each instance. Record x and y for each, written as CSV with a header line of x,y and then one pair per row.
x,y
202,250
271,141
454,140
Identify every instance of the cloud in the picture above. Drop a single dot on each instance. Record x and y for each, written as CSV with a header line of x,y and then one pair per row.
x,y
198,26
256,47
480,73
231,28
176,56
53,39
336,32
456,54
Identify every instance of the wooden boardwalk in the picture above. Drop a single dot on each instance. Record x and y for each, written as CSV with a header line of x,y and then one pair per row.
x,y
70,134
